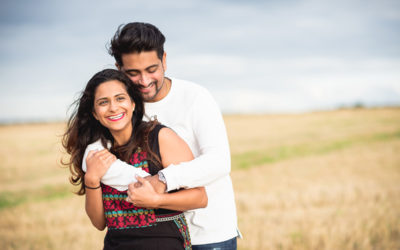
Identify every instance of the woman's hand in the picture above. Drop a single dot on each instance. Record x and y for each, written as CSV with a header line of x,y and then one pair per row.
x,y
142,194
97,163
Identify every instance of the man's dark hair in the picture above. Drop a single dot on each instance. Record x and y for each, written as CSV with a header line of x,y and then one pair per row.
x,y
135,38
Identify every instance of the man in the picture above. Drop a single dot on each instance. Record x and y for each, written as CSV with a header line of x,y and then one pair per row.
x,y
192,113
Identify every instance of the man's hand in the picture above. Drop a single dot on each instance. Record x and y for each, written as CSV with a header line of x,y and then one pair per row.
x,y
158,185
143,195
97,163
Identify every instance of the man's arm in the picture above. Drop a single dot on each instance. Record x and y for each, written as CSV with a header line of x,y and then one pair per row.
x,y
145,195
119,175
214,159
172,150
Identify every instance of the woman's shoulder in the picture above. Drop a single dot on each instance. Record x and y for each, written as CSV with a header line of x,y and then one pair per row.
x,y
153,127
161,136
165,133
97,145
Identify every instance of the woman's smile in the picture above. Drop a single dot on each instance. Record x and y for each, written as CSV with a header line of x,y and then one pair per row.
x,y
116,117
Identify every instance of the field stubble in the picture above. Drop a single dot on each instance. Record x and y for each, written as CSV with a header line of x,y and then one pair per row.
x,y
324,180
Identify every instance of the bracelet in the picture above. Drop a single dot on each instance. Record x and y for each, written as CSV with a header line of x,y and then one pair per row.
x,y
92,187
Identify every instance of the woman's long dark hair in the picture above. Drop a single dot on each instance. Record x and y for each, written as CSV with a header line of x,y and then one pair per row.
x,y
83,128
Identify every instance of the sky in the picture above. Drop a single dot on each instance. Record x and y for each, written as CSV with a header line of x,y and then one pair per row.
x,y
253,56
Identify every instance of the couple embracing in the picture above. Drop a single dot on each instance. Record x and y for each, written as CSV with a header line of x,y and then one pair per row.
x,y
151,153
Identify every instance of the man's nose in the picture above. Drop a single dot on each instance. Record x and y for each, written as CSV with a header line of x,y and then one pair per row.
x,y
145,80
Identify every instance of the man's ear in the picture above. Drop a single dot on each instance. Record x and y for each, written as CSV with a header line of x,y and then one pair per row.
x,y
117,65
164,61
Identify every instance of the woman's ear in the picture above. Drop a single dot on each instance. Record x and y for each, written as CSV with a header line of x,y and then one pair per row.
x,y
133,107
95,115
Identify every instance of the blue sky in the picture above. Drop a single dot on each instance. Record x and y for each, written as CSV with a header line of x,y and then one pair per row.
x,y
253,56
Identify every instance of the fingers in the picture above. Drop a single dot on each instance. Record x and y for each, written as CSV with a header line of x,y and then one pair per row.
x,y
109,158
103,155
130,187
91,153
134,185
128,199
141,180
102,152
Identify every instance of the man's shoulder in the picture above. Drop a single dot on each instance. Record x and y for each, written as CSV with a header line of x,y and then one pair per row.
x,y
190,88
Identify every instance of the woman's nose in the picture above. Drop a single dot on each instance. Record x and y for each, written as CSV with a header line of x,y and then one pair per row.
x,y
113,106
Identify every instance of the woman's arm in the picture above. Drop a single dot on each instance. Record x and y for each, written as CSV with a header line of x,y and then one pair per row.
x,y
173,150
94,207
97,163
119,174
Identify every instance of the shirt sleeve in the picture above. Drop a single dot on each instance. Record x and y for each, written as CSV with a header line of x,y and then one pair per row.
x,y
213,161
119,175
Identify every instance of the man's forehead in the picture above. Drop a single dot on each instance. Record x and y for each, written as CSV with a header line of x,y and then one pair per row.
x,y
141,54
142,60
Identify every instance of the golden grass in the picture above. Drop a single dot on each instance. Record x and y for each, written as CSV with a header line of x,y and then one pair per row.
x,y
322,180
344,200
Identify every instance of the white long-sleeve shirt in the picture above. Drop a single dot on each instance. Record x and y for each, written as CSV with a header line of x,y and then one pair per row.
x,y
192,113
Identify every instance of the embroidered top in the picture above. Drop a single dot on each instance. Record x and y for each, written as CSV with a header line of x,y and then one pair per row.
x,y
122,214
133,227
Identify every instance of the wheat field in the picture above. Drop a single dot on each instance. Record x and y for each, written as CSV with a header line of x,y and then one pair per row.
x,y
320,180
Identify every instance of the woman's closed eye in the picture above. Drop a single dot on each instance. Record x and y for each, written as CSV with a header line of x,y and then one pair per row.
x,y
121,98
102,102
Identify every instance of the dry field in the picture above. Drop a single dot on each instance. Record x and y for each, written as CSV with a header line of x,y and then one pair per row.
x,y
322,180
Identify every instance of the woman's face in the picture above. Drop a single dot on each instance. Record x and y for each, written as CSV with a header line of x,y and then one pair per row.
x,y
113,108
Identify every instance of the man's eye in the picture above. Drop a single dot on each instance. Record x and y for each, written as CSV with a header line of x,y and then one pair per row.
x,y
132,74
152,70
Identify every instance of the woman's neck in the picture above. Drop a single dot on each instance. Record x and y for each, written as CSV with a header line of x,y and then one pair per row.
x,y
122,137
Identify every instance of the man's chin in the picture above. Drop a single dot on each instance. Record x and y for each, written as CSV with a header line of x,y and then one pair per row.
x,y
148,98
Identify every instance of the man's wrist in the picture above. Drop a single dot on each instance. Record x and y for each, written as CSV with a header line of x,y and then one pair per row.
x,y
163,180
158,185
158,200
161,177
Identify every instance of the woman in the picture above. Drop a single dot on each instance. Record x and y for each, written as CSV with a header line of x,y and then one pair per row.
x,y
110,110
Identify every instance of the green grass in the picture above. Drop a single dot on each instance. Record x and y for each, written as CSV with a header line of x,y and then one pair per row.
x,y
270,155
45,193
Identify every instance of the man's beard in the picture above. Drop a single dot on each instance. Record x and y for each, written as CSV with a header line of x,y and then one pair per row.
x,y
147,98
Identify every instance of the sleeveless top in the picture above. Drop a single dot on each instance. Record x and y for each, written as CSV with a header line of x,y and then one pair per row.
x,y
132,227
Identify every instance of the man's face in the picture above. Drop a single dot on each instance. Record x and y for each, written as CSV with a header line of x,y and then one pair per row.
x,y
146,70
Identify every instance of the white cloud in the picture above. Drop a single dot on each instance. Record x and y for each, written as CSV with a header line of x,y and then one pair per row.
x,y
326,54
254,85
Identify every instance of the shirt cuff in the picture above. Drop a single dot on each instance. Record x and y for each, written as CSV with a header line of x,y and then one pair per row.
x,y
170,177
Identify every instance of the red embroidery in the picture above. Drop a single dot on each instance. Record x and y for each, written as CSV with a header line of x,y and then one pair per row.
x,y
121,214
